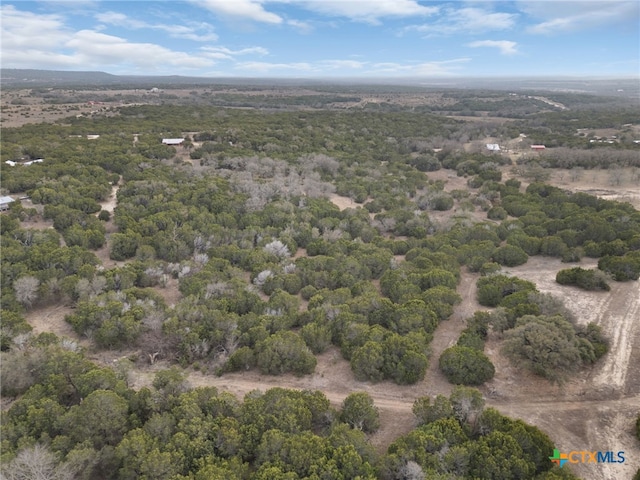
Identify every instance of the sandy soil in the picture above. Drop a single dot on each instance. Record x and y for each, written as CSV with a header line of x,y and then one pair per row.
x,y
170,292
50,319
343,202
598,183
110,204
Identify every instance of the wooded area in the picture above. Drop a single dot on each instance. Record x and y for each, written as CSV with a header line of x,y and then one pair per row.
x,y
271,272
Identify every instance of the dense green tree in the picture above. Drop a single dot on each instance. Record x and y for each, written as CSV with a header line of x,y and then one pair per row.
x,y
466,366
359,411
285,352
547,345
425,412
510,256
101,418
498,455
583,278
367,362
492,290
626,267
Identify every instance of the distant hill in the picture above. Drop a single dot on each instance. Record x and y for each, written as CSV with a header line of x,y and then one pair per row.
x,y
612,87
28,77
16,77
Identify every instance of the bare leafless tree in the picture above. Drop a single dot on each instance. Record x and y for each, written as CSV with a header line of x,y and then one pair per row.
x,y
26,289
411,471
576,173
278,249
36,463
616,175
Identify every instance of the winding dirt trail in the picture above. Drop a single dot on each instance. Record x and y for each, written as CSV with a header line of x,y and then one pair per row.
x,y
110,204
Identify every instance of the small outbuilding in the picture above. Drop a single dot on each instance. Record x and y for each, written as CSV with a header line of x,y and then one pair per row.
x,y
5,202
31,162
172,141
538,148
493,147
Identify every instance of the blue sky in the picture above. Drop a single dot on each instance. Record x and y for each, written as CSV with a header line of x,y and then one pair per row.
x,y
325,38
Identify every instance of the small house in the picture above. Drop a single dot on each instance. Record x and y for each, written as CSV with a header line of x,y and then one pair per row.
x,y
5,202
31,162
172,141
538,148
493,147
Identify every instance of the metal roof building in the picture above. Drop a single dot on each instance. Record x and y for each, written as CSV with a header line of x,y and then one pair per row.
x,y
5,202
172,141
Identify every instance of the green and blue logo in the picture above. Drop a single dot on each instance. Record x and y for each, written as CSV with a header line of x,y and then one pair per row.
x,y
585,456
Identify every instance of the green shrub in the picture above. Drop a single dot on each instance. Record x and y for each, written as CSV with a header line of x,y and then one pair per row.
x,y
285,352
242,359
466,366
489,268
510,256
626,267
497,213
585,279
471,340
491,290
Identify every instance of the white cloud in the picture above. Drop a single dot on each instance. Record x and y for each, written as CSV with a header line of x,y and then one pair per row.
x,y
302,27
264,68
347,68
22,30
573,15
467,20
188,32
425,69
341,64
31,40
506,47
98,48
356,10
227,53
367,11
247,9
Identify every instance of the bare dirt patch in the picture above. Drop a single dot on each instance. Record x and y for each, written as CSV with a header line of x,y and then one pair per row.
x,y
622,187
51,319
110,204
170,292
601,184
37,223
103,255
343,202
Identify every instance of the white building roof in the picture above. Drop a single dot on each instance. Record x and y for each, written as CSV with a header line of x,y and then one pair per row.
x,y
6,200
494,147
172,141
38,160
